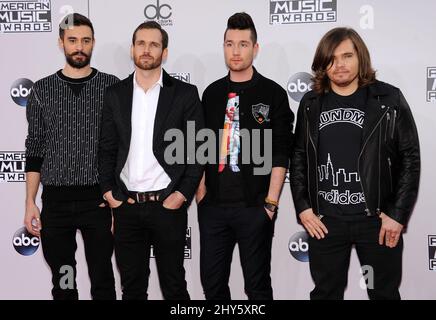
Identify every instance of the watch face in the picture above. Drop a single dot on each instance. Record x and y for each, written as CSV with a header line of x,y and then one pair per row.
x,y
271,207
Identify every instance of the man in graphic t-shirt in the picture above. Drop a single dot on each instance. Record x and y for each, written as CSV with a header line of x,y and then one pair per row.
x,y
236,202
355,169
341,119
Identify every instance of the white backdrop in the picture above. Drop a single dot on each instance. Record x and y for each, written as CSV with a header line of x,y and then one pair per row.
x,y
399,34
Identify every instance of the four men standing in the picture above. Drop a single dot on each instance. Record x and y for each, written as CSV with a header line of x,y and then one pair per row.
x,y
354,167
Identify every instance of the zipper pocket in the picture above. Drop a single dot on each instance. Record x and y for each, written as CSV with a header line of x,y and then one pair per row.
x,y
393,124
388,121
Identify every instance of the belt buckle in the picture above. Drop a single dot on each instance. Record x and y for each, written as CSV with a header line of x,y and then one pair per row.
x,y
153,196
140,197
156,196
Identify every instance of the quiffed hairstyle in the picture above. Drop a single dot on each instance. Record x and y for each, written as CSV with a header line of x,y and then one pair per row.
x,y
242,21
324,58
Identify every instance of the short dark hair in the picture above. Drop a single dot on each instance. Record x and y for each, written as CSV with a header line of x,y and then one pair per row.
x,y
324,57
242,21
152,25
77,20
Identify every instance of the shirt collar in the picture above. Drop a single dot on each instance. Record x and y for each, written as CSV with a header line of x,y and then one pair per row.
x,y
159,82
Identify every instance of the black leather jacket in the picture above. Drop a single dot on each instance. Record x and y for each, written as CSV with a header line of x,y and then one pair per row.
x,y
389,161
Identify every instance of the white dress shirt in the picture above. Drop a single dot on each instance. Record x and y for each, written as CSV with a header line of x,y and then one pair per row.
x,y
142,172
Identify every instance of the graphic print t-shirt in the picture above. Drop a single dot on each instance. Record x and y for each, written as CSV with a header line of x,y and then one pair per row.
x,y
231,190
340,191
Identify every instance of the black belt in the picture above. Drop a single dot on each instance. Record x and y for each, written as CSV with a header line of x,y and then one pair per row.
x,y
141,197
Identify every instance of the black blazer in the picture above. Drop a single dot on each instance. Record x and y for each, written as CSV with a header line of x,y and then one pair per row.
x,y
178,103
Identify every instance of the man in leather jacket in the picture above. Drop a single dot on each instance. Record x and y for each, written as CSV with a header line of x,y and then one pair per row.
x,y
355,169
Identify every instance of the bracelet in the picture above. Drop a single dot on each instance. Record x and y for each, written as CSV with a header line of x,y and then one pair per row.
x,y
267,200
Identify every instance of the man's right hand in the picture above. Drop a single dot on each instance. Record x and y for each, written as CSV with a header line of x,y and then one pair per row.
x,y
313,224
114,203
32,219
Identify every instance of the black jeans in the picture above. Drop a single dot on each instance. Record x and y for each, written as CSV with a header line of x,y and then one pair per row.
x,y
137,227
329,259
220,230
60,222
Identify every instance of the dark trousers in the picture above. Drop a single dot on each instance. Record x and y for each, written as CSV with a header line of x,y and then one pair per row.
x,y
330,258
137,227
220,230
60,222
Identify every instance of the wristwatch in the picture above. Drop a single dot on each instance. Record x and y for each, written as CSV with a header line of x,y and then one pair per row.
x,y
271,207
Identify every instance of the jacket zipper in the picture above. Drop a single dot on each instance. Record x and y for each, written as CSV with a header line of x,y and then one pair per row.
x,y
307,160
316,163
358,163
379,169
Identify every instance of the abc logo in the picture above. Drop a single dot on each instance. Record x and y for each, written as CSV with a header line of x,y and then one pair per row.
x,y
25,243
157,11
20,91
299,246
299,84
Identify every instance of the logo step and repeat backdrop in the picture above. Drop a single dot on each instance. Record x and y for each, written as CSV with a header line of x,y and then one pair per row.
x,y
397,33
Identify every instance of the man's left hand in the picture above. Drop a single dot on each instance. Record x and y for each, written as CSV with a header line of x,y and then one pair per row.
x,y
174,201
390,231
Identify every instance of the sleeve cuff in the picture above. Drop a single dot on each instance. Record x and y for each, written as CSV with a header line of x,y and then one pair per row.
x,y
280,161
34,164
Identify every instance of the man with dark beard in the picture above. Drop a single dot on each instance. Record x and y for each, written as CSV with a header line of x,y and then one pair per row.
x,y
148,194
64,112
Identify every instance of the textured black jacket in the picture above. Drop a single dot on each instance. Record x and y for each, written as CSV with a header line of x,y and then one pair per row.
x,y
178,103
262,91
388,163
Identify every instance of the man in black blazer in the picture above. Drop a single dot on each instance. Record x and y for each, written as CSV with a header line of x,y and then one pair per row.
x,y
149,195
